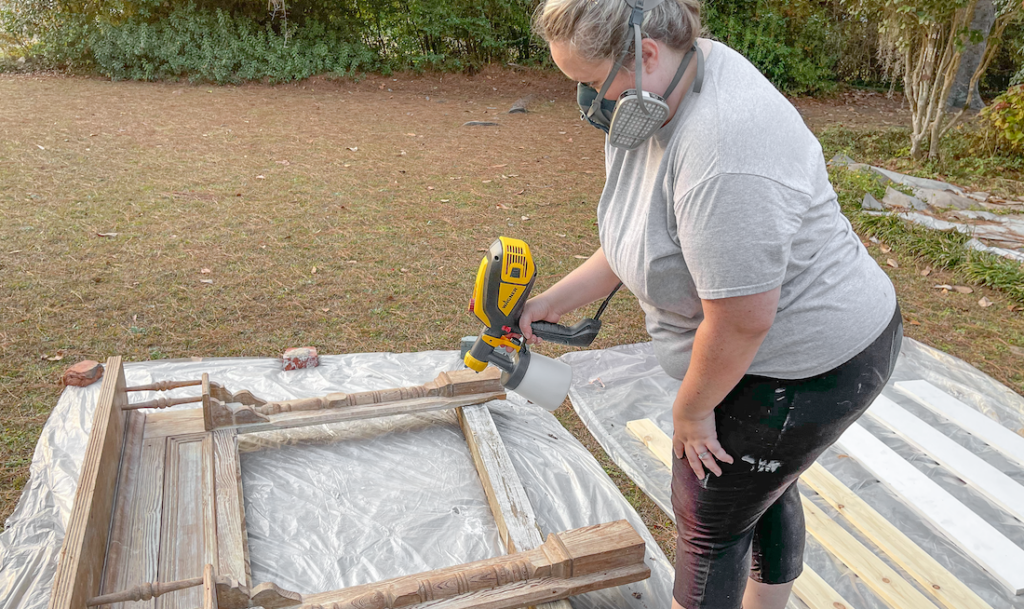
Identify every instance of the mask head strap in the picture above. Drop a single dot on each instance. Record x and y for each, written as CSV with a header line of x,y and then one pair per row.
x,y
636,19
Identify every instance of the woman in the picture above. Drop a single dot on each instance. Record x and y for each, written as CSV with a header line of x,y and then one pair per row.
x,y
758,295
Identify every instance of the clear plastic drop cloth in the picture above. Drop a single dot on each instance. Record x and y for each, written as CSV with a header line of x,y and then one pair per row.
x,y
614,386
337,505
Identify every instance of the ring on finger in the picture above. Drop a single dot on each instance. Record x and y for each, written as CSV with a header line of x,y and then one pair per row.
x,y
703,454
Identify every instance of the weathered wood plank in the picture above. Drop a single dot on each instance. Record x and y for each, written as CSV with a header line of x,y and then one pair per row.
x,y
969,467
85,542
182,538
816,593
162,424
1004,440
232,541
595,550
877,575
118,564
933,577
980,540
510,506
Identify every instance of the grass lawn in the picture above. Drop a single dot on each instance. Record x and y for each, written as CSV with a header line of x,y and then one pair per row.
x,y
170,220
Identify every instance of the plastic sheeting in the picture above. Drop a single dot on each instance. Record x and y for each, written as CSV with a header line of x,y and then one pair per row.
x,y
614,386
338,505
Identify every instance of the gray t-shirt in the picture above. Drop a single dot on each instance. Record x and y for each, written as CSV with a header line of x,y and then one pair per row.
x,y
732,198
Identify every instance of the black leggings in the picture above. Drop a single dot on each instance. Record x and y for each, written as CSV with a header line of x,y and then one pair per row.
x,y
749,522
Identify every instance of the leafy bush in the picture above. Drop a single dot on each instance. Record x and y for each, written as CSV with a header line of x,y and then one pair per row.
x,y
1003,120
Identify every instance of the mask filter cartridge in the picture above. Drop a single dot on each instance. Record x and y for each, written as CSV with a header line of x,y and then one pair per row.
x,y
635,121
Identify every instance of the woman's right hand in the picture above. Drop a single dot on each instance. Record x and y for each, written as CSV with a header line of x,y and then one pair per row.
x,y
536,309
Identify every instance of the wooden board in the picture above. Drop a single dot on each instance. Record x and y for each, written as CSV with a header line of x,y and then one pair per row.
x,y
512,510
979,474
232,540
880,577
187,512
982,542
653,438
612,552
1010,444
933,577
85,542
816,593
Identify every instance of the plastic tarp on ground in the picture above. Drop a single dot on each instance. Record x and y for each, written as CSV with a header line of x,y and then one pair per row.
x,y
338,505
614,386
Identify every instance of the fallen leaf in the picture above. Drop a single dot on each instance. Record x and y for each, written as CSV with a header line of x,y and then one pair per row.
x,y
402,153
40,147
486,181
205,281
430,188
963,289
914,322
501,206
524,218
411,134
313,272
404,270
353,262
285,162
445,200
325,309
54,358
892,263
984,303
559,234
927,271
205,271
943,286
885,248
261,177
108,235
499,166
581,257
354,148
521,191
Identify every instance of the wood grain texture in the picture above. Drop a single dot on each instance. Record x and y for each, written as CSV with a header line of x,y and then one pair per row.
x,y
880,577
161,424
183,531
144,592
271,596
979,539
581,552
510,506
85,542
1004,440
816,593
232,540
209,588
162,402
933,577
999,488
119,546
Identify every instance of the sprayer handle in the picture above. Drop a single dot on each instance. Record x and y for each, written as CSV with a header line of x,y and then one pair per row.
x,y
579,335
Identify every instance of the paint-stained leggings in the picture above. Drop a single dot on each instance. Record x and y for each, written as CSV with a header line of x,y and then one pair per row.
x,y
749,522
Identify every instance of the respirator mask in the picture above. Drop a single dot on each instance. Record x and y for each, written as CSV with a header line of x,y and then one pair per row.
x,y
637,114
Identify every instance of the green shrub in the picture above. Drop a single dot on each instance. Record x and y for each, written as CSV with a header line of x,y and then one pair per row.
x,y
1003,121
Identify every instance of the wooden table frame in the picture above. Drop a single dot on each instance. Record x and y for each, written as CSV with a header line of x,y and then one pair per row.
x,y
159,499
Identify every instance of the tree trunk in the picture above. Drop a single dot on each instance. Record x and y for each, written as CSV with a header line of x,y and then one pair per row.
x,y
984,17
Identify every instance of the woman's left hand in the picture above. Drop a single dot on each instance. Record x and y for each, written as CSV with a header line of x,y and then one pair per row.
x,y
697,440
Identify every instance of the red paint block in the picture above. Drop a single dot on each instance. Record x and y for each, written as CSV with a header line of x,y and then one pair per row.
x,y
300,357
83,373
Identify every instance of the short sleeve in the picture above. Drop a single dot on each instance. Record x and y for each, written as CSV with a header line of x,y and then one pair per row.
x,y
736,233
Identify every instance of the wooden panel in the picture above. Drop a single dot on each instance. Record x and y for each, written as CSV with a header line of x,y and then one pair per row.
x,y
989,481
174,422
653,438
81,566
596,550
880,577
133,548
119,545
511,507
816,593
980,540
933,577
183,547
991,432
232,541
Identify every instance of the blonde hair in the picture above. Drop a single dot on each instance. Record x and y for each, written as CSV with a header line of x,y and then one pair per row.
x,y
597,29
